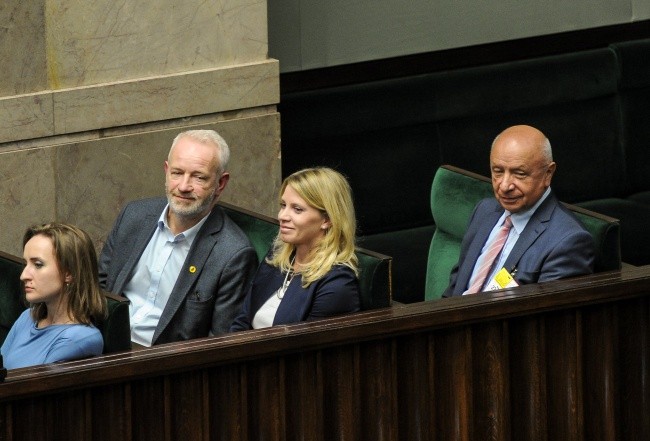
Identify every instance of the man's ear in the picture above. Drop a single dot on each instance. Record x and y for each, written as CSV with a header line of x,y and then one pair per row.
x,y
223,181
549,173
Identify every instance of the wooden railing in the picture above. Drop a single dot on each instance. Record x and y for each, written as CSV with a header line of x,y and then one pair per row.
x,y
564,360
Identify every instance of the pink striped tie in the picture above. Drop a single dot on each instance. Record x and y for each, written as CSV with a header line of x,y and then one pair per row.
x,y
488,258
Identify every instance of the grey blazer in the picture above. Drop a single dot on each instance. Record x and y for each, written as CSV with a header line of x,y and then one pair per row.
x,y
554,245
204,302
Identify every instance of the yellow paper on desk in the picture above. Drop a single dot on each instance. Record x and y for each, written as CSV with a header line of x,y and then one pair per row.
x,y
502,279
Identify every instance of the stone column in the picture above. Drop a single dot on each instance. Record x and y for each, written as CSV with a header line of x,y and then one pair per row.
x,y
93,92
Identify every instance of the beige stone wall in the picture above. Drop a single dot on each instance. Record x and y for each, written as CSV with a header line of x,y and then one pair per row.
x,y
94,92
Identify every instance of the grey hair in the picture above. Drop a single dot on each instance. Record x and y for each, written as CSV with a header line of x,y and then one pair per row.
x,y
547,152
207,137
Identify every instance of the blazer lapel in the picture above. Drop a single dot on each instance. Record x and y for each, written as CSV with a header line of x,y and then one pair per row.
x,y
138,248
203,244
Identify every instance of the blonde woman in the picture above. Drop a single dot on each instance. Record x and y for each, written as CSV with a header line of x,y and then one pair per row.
x,y
61,284
311,271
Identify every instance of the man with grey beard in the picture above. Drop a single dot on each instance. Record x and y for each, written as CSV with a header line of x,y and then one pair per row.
x,y
183,264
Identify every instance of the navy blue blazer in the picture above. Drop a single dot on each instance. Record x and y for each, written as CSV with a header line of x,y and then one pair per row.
x,y
335,293
554,245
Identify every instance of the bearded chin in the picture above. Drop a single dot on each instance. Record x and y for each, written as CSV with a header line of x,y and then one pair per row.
x,y
196,208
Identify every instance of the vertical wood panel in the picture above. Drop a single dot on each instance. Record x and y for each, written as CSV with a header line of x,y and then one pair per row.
x,y
228,403
304,397
528,379
266,400
149,396
71,417
600,370
111,411
6,422
491,388
379,391
564,364
341,393
52,417
25,412
634,369
188,405
416,400
453,384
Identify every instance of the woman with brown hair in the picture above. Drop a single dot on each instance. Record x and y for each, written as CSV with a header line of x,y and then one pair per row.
x,y
62,287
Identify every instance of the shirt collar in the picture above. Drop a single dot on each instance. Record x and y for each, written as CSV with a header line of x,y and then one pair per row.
x,y
520,219
188,234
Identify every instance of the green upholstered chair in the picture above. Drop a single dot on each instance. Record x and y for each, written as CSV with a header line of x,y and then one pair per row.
x,y
115,329
375,279
455,192
260,229
374,268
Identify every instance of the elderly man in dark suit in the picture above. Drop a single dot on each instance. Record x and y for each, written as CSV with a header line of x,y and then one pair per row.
x,y
184,265
523,235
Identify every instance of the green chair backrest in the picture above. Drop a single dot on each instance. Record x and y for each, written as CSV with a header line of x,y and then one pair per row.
x,y
454,194
374,268
116,329
375,279
260,229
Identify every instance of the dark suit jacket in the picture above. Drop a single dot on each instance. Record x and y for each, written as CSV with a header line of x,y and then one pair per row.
x,y
554,245
336,293
202,303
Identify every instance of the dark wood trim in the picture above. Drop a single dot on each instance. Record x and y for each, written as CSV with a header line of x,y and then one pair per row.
x,y
463,57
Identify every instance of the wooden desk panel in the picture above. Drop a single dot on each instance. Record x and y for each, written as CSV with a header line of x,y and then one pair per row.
x,y
565,360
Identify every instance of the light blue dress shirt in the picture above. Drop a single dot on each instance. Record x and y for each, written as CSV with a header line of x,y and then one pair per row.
x,y
154,277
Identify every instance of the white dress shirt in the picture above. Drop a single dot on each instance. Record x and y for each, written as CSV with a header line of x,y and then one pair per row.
x,y
154,277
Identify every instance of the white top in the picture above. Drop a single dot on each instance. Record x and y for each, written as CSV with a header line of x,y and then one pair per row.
x,y
266,314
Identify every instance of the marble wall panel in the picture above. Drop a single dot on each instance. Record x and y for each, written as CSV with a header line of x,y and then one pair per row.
x,y
255,171
26,117
95,179
167,97
22,47
135,102
27,194
93,93
91,42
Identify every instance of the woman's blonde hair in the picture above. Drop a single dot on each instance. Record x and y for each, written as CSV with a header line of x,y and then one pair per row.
x,y
329,192
75,255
